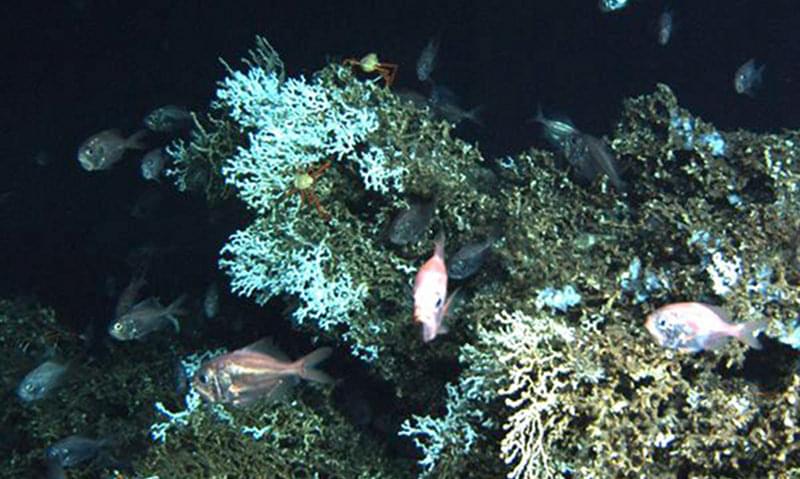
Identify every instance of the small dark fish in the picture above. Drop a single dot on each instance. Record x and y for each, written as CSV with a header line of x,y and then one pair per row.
x,y
455,114
748,78
410,225
153,163
604,159
42,381
469,259
211,301
445,104
426,62
168,119
103,150
258,371
664,27
576,151
417,99
73,450
441,95
146,317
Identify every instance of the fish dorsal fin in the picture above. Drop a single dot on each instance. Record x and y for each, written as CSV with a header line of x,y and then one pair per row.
x,y
267,346
149,303
723,315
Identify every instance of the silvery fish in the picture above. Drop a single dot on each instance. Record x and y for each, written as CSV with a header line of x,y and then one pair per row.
x,y
664,27
168,119
73,450
601,156
152,163
469,259
103,150
555,131
258,371
409,225
426,62
146,317
42,381
211,301
748,78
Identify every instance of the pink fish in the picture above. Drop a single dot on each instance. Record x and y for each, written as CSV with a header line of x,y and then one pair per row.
x,y
692,327
430,291
258,371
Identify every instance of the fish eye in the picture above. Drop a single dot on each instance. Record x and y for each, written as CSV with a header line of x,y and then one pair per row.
x,y
117,326
661,322
203,379
439,302
30,387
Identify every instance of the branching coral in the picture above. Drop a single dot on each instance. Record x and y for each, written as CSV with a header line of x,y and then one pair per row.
x,y
601,402
708,217
301,438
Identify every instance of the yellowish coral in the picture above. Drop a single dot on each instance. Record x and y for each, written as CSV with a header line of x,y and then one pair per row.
x,y
649,413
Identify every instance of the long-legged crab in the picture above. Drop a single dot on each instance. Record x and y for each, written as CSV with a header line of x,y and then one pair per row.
x,y
304,185
370,64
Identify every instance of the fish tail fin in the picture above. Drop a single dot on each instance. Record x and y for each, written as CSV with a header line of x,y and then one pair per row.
x,y
747,333
539,116
474,115
174,310
307,366
136,141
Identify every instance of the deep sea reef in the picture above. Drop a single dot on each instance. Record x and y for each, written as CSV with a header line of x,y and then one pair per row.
x,y
547,370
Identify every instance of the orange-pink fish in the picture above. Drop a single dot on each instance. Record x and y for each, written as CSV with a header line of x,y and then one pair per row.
x,y
258,371
691,327
430,294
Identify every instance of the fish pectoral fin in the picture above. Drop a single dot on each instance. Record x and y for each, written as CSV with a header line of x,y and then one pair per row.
x,y
272,391
449,300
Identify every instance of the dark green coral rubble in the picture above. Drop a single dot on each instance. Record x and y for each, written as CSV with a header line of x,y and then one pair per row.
x,y
517,387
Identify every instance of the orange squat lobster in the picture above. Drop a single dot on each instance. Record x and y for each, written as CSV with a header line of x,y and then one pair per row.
x,y
304,185
370,64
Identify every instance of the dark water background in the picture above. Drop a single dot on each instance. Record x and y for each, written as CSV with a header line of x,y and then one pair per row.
x,y
73,68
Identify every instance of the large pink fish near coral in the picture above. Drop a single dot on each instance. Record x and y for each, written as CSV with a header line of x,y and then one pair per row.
x,y
430,293
258,371
692,327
